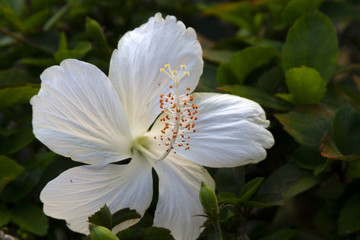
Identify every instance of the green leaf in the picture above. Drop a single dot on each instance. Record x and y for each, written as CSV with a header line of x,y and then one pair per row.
x,y
340,10
250,188
7,13
312,42
270,81
245,61
353,170
42,62
9,170
224,75
349,219
15,141
30,218
56,17
307,124
123,215
15,77
328,149
296,8
127,234
346,130
218,56
94,30
102,217
17,95
305,85
238,13
283,234
35,20
288,181
234,175
4,215
257,95
63,45
156,233
324,220
80,50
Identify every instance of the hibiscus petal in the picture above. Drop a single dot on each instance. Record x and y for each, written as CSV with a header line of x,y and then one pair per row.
x,y
135,67
230,131
81,191
78,113
179,203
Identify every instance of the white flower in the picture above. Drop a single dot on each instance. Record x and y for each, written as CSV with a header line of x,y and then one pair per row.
x,y
81,113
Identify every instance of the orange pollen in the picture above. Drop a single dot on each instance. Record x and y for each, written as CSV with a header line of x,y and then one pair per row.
x,y
179,112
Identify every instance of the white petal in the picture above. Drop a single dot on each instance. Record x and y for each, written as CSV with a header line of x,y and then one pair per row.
x,y
230,131
81,191
135,67
77,113
179,203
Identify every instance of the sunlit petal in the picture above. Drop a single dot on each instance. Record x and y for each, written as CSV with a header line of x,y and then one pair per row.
x,y
81,191
77,113
135,67
179,203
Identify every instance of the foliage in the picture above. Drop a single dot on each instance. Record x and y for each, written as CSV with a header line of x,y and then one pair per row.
x,y
299,59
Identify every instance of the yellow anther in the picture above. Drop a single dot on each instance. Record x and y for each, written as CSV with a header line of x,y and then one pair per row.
x,y
167,65
162,70
183,66
174,72
187,73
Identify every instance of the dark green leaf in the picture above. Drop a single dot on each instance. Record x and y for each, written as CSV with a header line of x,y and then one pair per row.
x,y
307,124
288,181
15,77
17,95
4,216
124,215
94,30
296,8
80,50
9,170
16,141
102,217
250,188
340,10
258,96
156,233
127,234
312,42
35,20
56,17
217,56
245,61
346,130
270,80
324,220
238,13
328,149
234,175
283,234
224,75
349,219
30,218
305,85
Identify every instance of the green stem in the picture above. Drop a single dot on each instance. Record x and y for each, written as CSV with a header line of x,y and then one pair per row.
x,y
217,229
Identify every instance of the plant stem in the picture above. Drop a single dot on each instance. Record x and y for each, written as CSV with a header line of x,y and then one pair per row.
x,y
217,229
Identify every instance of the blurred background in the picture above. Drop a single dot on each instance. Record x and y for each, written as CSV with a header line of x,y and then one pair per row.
x,y
299,59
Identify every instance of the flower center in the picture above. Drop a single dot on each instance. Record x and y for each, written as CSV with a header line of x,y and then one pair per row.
x,y
178,113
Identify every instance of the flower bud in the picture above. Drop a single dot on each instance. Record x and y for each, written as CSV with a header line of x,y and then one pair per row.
x,y
209,201
101,233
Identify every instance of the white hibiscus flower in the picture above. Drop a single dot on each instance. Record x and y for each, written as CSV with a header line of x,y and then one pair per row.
x,y
143,110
